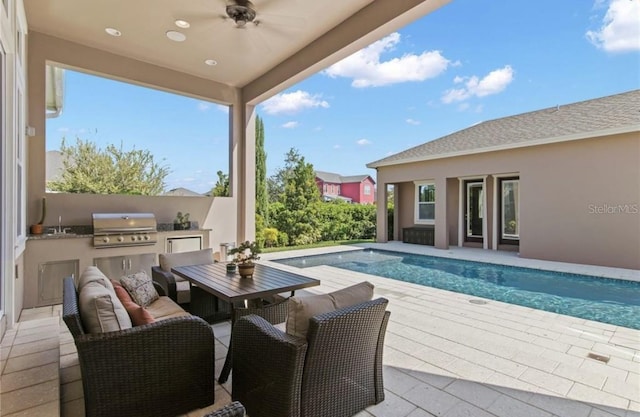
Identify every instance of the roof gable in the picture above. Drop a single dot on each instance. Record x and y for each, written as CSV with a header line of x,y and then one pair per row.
x,y
339,179
568,122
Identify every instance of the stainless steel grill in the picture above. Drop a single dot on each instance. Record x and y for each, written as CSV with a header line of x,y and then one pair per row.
x,y
124,229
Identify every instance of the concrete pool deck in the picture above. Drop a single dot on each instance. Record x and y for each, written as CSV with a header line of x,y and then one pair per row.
x,y
445,356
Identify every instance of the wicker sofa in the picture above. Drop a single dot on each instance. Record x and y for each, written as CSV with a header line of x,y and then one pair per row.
x,y
164,368
336,370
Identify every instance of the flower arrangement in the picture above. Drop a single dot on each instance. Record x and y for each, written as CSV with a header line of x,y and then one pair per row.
x,y
246,253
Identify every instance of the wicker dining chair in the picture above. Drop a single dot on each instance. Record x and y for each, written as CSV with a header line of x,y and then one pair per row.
x,y
336,371
273,313
235,409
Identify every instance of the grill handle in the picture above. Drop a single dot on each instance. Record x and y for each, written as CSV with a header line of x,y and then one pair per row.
x,y
121,230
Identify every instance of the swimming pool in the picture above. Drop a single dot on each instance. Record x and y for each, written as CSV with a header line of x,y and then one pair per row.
x,y
600,299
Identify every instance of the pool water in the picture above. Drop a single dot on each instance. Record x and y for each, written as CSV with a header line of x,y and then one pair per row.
x,y
601,299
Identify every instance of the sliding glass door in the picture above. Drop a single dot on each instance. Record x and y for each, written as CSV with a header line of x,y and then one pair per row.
x,y
474,211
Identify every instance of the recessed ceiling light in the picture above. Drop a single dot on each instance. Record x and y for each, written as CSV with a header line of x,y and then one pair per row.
x,y
182,24
211,62
113,32
176,36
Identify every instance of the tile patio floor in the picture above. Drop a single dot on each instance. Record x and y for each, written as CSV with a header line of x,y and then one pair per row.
x,y
444,356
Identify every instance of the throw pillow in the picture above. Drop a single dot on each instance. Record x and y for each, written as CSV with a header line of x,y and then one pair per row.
x,y
101,310
93,274
140,288
301,309
354,294
138,314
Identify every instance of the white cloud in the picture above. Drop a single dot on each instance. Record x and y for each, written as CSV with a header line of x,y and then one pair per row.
x,y
363,142
290,125
620,30
290,103
413,122
63,129
494,82
337,146
367,70
205,106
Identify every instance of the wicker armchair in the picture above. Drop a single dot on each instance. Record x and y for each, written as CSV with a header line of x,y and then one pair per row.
x,y
336,371
136,372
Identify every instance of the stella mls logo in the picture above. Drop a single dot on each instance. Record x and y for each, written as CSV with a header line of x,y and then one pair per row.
x,y
613,208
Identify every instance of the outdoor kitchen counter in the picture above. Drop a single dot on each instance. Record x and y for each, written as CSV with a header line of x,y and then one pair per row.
x,y
48,258
87,231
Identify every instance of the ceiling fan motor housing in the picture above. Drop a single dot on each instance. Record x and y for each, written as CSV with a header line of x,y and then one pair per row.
x,y
241,13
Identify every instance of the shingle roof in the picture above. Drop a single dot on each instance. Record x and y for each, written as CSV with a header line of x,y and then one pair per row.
x,y
183,192
572,121
339,179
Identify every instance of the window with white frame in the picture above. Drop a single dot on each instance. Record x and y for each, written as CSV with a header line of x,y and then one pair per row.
x,y
425,210
367,189
19,147
510,209
19,135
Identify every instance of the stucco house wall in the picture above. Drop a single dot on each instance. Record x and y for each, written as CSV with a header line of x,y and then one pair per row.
x,y
579,200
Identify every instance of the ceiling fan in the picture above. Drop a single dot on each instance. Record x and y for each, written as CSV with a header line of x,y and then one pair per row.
x,y
242,12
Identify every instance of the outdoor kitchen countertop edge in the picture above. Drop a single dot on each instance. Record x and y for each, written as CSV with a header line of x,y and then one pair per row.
x,y
46,236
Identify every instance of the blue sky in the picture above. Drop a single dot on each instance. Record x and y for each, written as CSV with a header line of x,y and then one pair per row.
x,y
470,61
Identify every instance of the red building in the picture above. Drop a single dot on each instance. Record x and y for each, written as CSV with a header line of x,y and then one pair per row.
x,y
353,189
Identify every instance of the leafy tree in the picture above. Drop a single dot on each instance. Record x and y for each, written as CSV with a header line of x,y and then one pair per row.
x,y
89,169
221,189
301,200
276,183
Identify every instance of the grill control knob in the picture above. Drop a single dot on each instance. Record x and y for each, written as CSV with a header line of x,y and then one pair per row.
x,y
146,237
105,239
133,238
120,239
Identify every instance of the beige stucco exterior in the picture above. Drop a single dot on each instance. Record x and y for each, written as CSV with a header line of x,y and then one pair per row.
x,y
579,199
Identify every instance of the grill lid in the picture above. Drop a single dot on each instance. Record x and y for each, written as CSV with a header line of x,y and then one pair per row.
x,y
104,223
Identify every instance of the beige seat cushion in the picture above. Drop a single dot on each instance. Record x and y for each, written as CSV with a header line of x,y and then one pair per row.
x,y
198,257
93,274
101,310
301,309
164,307
183,290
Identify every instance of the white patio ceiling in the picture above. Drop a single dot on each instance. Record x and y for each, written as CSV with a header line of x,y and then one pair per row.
x,y
300,32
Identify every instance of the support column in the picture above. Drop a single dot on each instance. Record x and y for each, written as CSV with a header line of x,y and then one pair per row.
x,y
381,210
441,227
242,183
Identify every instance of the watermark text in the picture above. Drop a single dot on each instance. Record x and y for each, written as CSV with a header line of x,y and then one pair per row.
x,y
614,208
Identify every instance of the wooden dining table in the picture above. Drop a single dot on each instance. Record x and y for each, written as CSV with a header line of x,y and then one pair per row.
x,y
229,286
